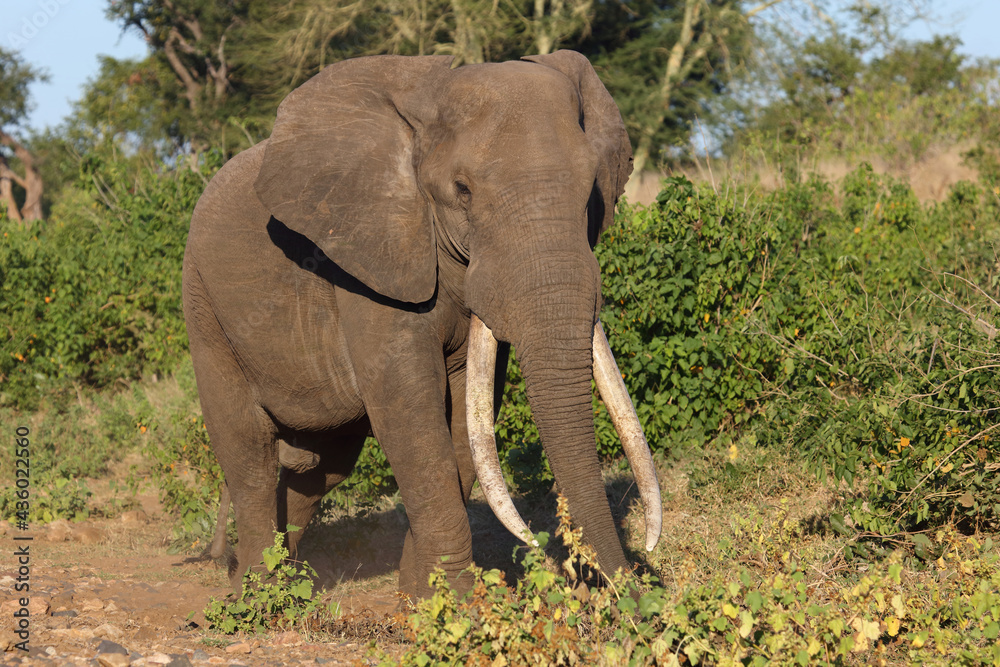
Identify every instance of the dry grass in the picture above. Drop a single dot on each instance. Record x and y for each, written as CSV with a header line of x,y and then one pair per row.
x,y
931,177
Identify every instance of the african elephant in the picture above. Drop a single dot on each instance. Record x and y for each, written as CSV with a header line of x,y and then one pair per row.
x,y
348,276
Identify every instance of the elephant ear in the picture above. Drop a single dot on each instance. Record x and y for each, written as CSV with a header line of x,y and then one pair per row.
x,y
602,123
339,169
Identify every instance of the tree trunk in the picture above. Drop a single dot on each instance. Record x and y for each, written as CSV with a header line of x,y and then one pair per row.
x,y
31,181
7,192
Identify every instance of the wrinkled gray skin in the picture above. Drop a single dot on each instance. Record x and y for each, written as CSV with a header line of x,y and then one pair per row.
x,y
331,272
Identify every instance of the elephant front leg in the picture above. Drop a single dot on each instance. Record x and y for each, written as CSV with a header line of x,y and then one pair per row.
x,y
401,374
418,444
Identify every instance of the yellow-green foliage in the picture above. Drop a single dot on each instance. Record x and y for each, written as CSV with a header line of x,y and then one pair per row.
x,y
946,613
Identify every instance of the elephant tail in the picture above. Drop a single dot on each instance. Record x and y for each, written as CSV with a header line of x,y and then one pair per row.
x,y
218,546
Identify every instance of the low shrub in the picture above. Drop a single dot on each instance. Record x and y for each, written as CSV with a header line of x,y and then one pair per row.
x,y
280,599
787,616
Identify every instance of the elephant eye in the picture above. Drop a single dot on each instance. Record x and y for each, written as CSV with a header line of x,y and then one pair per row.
x,y
463,190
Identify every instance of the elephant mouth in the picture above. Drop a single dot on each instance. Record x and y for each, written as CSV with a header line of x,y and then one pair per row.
x,y
481,365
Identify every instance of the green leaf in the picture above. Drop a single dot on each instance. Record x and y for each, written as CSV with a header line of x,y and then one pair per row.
x,y
627,605
837,523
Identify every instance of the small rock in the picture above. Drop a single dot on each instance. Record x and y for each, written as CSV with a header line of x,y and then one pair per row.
x,y
239,647
7,640
62,600
113,660
134,516
183,624
87,535
39,606
58,531
55,623
51,650
199,655
179,661
111,606
36,652
216,660
68,613
107,646
290,638
91,604
158,659
109,631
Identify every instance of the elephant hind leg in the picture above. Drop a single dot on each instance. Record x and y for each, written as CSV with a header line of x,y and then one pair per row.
x,y
241,431
247,453
301,490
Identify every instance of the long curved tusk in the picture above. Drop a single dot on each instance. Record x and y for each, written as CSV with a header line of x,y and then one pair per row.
x,y
619,405
481,363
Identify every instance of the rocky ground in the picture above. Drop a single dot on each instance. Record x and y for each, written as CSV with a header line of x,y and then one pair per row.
x,y
106,592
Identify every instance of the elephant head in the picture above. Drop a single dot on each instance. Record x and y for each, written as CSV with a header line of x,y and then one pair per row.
x,y
487,185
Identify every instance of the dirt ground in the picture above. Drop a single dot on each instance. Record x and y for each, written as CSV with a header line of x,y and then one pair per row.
x,y
110,585
107,592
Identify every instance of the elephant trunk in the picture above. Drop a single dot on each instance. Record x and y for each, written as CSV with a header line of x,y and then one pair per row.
x,y
557,361
556,351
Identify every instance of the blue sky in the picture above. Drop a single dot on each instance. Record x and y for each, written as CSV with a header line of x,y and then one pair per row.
x,y
64,37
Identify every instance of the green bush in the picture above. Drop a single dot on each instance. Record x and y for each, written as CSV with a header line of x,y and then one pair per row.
x,y
93,295
189,478
51,497
680,280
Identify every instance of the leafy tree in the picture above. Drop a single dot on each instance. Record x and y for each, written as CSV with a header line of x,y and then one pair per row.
x,y
927,66
129,100
199,72
217,71
859,95
15,77
664,60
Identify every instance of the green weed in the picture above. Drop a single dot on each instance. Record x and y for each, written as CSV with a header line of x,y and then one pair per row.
x,y
283,598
